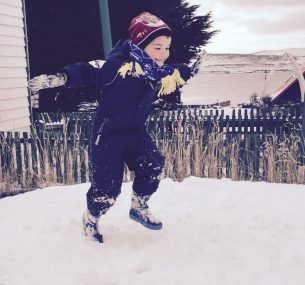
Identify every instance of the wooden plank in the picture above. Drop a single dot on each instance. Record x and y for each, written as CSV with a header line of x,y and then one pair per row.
x,y
252,118
25,129
233,122
247,156
18,157
82,158
13,82
18,113
42,151
11,21
11,10
10,93
256,156
239,124
8,155
12,51
58,148
12,62
19,124
74,157
13,72
26,160
13,106
34,154
8,40
246,122
7,115
2,157
50,163
15,3
11,31
277,125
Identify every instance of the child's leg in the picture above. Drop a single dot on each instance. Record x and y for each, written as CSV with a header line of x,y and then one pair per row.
x,y
107,173
147,163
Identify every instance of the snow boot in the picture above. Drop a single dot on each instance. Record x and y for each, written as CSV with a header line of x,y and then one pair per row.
x,y
140,212
90,224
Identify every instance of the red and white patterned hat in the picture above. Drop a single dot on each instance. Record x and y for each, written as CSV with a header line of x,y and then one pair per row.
x,y
146,26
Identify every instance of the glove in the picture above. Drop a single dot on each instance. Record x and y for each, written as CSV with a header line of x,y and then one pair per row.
x,y
198,61
47,81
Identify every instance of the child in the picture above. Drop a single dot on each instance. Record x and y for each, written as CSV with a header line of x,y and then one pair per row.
x,y
131,78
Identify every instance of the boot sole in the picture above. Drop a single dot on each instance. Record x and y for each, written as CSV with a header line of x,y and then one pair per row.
x,y
146,225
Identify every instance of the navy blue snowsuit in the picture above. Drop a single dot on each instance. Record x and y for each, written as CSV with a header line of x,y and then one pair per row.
x,y
119,134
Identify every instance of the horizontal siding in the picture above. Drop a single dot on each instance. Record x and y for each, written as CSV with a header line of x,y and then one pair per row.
x,y
12,93
12,72
11,10
11,31
8,115
26,128
12,41
16,125
13,82
15,3
12,51
14,102
13,62
11,21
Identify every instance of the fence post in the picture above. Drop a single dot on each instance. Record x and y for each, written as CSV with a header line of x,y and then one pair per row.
x,y
18,158
34,158
303,132
256,157
2,157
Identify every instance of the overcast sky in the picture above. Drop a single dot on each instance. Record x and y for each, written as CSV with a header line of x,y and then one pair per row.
x,y
248,26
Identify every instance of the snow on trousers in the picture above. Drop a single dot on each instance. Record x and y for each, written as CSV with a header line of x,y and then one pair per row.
x,y
108,157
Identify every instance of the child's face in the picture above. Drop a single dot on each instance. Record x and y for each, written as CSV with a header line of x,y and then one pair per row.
x,y
158,49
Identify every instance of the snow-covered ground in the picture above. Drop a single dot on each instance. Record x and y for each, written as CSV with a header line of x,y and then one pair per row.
x,y
215,232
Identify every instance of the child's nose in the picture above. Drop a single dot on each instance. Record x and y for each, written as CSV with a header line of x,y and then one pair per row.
x,y
164,53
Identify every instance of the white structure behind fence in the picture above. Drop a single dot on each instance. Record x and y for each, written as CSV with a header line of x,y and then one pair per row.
x,y
14,96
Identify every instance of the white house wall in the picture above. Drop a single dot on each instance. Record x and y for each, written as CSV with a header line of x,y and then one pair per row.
x,y
14,102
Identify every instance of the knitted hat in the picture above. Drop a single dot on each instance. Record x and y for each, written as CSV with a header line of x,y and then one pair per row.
x,y
145,28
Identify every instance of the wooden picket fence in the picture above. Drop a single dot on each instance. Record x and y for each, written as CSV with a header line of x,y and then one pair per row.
x,y
195,141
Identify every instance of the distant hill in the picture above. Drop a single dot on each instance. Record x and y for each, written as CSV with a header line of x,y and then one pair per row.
x,y
262,61
292,51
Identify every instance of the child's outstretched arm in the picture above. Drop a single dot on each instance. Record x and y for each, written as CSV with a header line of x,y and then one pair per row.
x,y
47,81
74,75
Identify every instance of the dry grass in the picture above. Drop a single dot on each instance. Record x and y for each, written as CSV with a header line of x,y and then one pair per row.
x,y
43,160
213,155
56,158
282,160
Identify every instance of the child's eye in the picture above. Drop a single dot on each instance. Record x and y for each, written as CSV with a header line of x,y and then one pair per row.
x,y
157,48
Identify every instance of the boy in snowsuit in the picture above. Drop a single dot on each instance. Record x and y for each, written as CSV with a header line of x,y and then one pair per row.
x,y
133,75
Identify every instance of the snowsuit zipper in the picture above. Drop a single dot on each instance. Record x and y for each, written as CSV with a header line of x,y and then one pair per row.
x,y
99,133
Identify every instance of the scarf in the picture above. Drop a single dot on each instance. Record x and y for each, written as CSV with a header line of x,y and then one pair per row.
x,y
144,68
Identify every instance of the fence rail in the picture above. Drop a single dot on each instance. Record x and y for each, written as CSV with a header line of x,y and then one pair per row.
x,y
194,141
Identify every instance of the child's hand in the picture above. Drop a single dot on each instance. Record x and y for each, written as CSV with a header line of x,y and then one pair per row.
x,y
198,61
46,81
